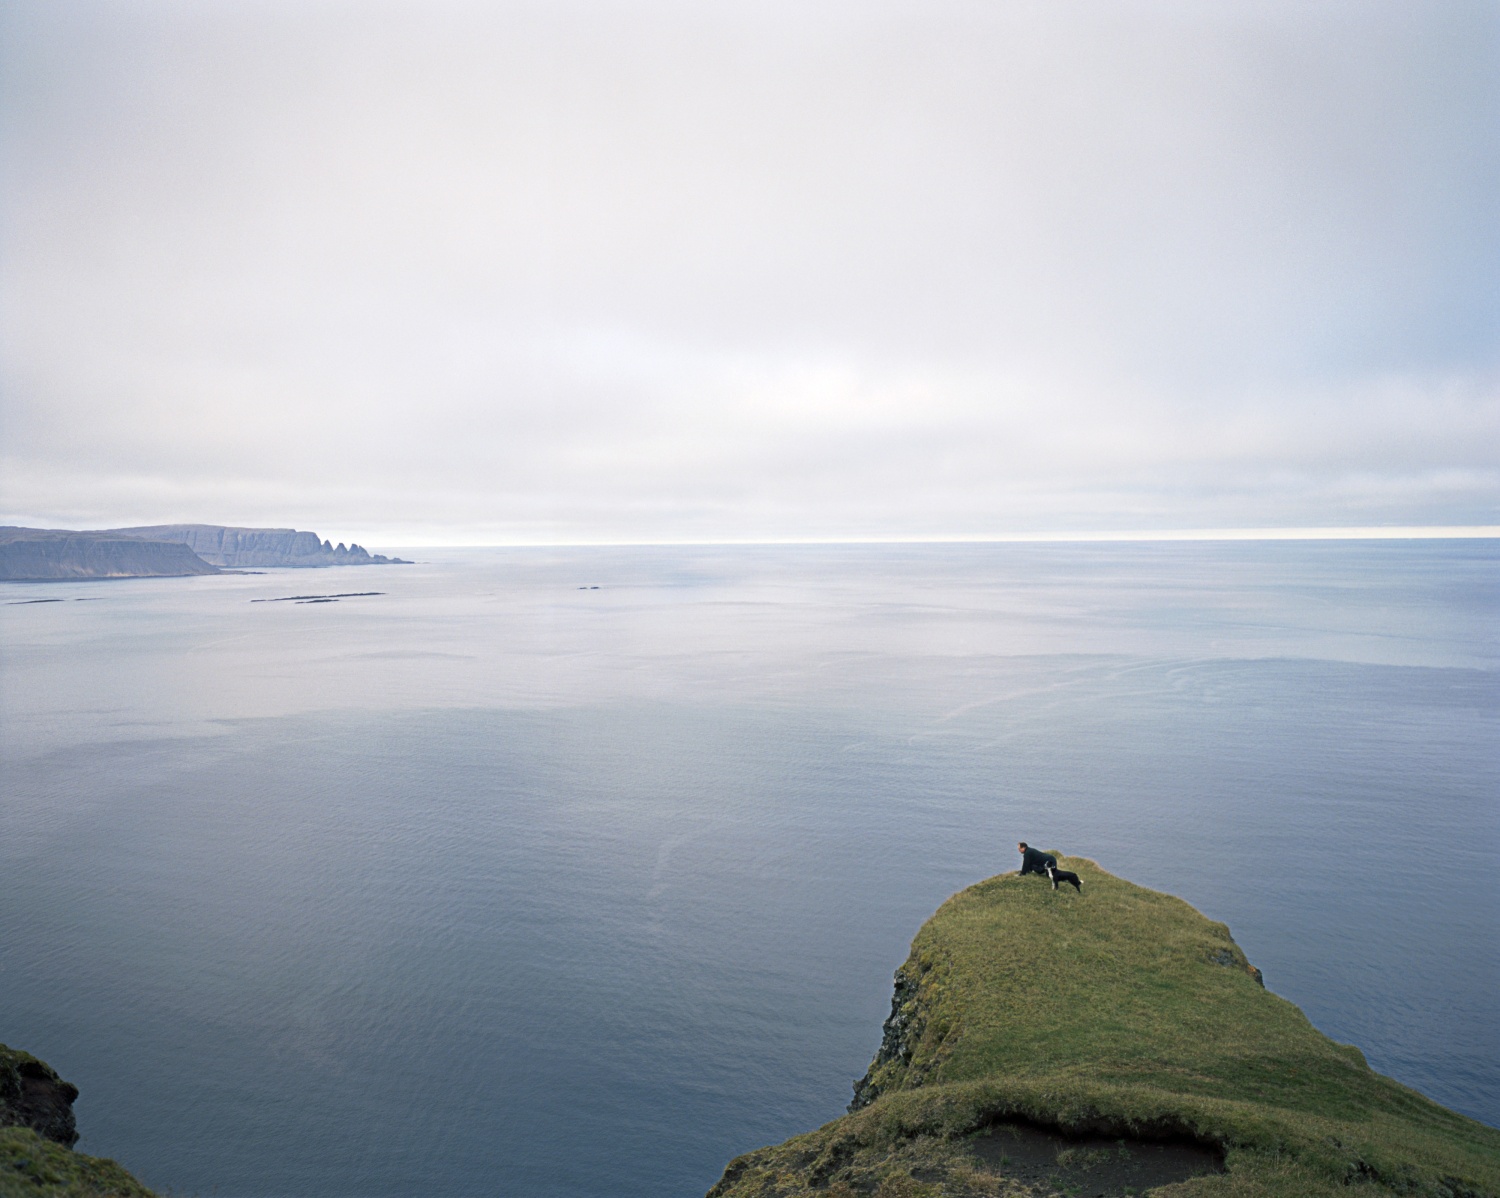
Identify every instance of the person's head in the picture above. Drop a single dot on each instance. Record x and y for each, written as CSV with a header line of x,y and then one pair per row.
x,y
1022,846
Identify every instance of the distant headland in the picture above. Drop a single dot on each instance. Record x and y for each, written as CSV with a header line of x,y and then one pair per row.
x,y
168,551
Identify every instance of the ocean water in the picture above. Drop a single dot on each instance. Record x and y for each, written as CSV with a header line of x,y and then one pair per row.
x,y
498,884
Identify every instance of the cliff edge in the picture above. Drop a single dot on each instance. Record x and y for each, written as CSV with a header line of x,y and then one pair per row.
x,y
167,551
251,547
32,1095
1112,1023
40,554
37,1135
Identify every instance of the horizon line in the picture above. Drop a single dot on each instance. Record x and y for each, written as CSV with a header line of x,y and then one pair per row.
x,y
1393,532
1435,532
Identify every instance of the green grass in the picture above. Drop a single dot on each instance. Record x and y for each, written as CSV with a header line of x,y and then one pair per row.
x,y
31,1167
1125,1012
34,1167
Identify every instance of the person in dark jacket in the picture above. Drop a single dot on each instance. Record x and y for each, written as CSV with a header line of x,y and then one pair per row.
x,y
1034,861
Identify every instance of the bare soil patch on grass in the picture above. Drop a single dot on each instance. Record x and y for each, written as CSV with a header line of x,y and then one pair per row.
x,y
1092,1167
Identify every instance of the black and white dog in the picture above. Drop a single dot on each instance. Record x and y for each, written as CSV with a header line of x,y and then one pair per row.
x,y
1064,875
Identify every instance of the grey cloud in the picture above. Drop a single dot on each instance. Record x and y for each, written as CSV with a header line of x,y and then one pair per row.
x,y
441,271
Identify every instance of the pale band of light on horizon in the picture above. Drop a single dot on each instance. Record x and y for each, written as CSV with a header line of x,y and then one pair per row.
x,y
1414,533
669,272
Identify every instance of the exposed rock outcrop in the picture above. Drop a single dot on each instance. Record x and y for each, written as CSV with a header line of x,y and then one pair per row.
x,y
36,554
37,1137
259,547
913,1045
32,1095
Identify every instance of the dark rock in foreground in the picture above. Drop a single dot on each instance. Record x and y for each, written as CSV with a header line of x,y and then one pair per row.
x,y
37,1136
259,547
37,554
32,1095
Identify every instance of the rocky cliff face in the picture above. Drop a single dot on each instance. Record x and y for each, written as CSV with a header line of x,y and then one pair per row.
x,y
35,554
37,1137
32,1095
901,1034
258,547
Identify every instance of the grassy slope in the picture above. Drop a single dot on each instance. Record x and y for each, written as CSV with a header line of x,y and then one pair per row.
x,y
1111,1012
33,1167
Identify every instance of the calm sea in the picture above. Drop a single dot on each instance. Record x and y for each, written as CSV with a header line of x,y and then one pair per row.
x,y
496,883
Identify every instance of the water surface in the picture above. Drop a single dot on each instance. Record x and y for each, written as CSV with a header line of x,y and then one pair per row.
x,y
490,884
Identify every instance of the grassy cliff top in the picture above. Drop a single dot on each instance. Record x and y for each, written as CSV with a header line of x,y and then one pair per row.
x,y
1124,1012
33,1100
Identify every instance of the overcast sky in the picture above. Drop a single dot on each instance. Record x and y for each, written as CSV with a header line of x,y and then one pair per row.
x,y
442,272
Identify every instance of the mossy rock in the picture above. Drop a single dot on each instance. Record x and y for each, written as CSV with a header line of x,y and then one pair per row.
x,y
37,1135
1119,1011
32,1095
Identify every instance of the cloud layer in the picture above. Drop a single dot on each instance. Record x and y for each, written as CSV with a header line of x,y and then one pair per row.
x,y
451,271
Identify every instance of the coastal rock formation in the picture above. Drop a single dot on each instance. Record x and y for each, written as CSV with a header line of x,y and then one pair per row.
x,y
37,1136
259,547
901,1034
32,1095
36,554
1045,1043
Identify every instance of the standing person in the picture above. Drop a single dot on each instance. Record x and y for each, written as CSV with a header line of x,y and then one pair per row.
x,y
1034,861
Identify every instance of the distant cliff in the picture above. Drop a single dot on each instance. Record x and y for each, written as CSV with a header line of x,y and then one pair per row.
x,y
35,554
37,1136
259,547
